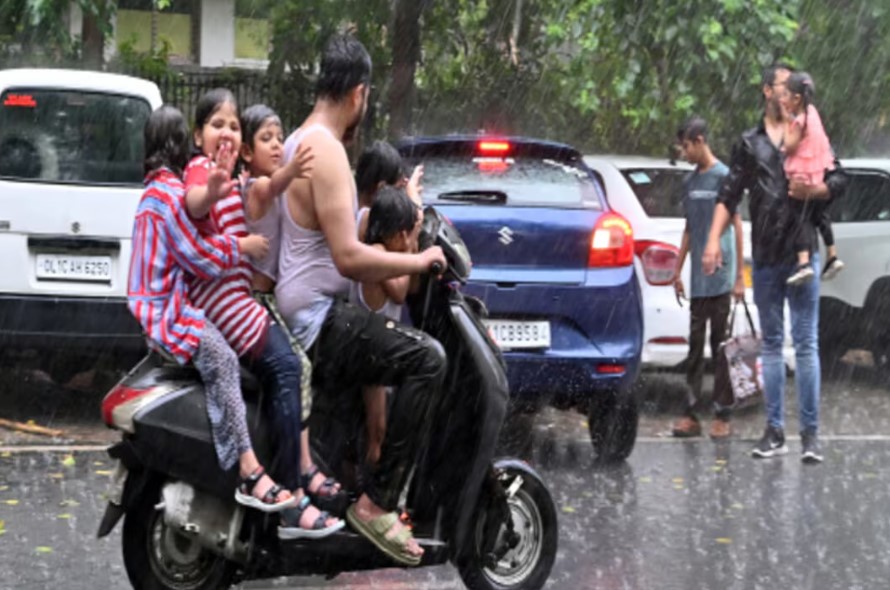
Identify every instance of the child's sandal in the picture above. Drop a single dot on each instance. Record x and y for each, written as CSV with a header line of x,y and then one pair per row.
x,y
290,528
326,496
269,502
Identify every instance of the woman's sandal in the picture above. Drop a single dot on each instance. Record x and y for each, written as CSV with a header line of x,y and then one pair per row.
x,y
376,531
244,494
326,496
290,528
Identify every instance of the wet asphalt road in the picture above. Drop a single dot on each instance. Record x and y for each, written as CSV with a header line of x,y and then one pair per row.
x,y
677,515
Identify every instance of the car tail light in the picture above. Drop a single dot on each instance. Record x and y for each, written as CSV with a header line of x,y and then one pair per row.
x,y
659,261
117,397
612,243
491,147
609,369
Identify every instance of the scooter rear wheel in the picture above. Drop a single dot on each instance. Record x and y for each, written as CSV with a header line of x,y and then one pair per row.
x,y
158,558
527,565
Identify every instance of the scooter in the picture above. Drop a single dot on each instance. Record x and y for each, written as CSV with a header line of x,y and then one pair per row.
x,y
492,518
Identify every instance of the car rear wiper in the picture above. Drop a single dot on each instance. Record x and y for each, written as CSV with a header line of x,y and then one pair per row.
x,y
487,197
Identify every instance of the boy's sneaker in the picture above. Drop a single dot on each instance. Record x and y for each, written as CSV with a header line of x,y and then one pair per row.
x,y
832,267
810,448
686,427
802,274
771,445
720,429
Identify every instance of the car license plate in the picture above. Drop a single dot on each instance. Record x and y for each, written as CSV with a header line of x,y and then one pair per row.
x,y
513,334
73,267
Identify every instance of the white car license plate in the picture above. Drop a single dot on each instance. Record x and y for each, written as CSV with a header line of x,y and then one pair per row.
x,y
73,267
514,334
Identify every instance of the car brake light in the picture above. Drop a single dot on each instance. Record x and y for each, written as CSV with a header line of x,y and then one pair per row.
x,y
659,261
19,100
612,243
493,148
609,369
117,397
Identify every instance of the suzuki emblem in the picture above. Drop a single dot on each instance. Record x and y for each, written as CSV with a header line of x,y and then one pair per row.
x,y
506,236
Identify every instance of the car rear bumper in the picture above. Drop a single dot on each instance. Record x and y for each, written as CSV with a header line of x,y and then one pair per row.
x,y
89,325
596,332
538,379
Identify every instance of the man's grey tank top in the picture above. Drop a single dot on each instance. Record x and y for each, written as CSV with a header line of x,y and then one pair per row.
x,y
269,225
308,280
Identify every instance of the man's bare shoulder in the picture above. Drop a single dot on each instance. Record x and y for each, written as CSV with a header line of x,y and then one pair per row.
x,y
329,152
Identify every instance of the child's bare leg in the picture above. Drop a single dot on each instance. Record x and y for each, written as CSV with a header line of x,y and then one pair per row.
x,y
803,257
831,251
375,411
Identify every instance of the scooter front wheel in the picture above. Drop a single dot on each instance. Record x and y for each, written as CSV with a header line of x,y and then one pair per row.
x,y
522,555
157,557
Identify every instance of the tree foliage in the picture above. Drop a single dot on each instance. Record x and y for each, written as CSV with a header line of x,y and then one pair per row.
x,y
605,75
37,32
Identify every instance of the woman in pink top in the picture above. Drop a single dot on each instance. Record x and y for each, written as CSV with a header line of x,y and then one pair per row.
x,y
808,156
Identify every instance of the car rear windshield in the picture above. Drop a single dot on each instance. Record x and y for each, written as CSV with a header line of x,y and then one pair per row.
x,y
661,191
69,136
520,181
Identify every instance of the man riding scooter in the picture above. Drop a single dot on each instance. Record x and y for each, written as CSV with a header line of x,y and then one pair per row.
x,y
351,346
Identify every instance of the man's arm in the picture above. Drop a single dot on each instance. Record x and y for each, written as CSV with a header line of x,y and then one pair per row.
x,y
728,200
738,289
333,197
834,187
679,289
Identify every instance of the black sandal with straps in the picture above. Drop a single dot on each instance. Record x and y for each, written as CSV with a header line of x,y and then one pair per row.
x,y
268,503
326,497
290,528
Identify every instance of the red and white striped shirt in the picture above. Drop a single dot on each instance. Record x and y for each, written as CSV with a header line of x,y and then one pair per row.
x,y
227,301
167,250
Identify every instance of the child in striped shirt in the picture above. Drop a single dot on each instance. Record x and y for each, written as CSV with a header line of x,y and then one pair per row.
x,y
166,247
246,325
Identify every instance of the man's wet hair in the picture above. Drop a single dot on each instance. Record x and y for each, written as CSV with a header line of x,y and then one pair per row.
x,y
693,128
393,211
345,64
378,163
253,118
166,140
768,76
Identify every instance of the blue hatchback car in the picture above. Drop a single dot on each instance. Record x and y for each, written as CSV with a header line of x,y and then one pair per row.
x,y
554,267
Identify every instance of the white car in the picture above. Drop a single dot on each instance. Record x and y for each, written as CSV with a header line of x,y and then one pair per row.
x,y
71,151
855,307
649,193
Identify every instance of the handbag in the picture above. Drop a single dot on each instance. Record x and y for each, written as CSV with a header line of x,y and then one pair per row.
x,y
743,362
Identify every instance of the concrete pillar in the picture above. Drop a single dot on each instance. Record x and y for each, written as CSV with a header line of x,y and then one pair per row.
x,y
217,33
75,19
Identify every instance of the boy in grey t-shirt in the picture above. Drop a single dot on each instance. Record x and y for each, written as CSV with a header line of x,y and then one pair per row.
x,y
710,295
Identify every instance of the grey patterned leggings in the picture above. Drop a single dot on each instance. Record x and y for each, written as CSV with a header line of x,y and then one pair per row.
x,y
218,365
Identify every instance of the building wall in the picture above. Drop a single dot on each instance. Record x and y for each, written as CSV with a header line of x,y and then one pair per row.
x,y
135,26
223,39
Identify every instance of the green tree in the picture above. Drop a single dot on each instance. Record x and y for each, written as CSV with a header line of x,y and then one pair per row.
x,y
36,32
